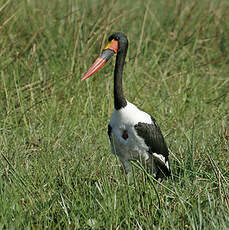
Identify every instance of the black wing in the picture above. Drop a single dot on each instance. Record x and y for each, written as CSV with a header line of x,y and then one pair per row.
x,y
154,139
109,131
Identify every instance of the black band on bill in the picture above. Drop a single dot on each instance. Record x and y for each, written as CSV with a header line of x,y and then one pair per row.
x,y
107,54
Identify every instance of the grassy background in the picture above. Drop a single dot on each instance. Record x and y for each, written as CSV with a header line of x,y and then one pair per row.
x,y
56,170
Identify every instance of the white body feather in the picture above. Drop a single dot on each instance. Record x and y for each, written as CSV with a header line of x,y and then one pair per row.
x,y
134,146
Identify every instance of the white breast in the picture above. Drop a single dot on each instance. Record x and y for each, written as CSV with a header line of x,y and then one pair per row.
x,y
124,120
130,115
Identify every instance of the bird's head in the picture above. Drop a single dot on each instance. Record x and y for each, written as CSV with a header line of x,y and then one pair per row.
x,y
117,43
122,41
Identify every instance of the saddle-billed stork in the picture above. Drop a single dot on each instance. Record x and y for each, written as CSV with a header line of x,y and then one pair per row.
x,y
133,133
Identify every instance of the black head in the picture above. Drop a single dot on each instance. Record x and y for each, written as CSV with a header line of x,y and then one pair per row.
x,y
122,41
118,44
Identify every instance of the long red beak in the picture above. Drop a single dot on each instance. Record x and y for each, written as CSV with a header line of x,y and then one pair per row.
x,y
107,53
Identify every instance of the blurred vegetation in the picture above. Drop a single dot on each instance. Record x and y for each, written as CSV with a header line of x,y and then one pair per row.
x,y
56,170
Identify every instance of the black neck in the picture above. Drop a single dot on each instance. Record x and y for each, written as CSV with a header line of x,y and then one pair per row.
x,y
119,99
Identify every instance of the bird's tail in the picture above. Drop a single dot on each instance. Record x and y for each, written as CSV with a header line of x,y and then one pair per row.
x,y
162,168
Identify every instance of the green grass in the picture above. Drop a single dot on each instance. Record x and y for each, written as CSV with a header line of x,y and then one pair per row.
x,y
56,170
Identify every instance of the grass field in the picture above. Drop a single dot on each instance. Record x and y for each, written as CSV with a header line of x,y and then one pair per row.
x,y
56,170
